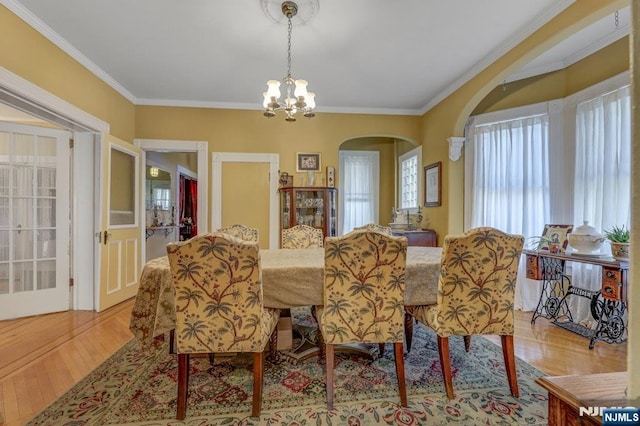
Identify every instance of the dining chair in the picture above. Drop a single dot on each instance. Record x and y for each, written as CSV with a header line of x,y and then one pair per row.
x,y
374,227
242,232
364,273
302,237
218,299
476,289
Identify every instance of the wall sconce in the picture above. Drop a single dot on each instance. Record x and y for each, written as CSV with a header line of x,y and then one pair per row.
x,y
153,172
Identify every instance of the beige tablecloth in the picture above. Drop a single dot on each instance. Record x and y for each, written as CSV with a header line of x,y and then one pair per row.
x,y
290,277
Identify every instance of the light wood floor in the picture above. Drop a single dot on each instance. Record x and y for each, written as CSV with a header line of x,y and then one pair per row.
x,y
42,356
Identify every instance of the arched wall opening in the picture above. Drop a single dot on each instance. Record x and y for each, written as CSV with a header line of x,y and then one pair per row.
x,y
389,148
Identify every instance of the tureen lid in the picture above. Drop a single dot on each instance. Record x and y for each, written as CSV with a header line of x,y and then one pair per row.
x,y
586,229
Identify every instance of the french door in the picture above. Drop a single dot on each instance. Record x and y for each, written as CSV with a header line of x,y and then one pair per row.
x,y
34,220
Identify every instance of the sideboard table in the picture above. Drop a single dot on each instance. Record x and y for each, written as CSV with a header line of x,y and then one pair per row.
x,y
567,394
418,237
608,304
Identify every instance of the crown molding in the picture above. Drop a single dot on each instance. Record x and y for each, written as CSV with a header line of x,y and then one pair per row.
x,y
517,38
66,47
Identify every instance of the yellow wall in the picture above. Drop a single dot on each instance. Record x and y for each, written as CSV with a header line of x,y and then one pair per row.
x,y
251,132
604,64
28,54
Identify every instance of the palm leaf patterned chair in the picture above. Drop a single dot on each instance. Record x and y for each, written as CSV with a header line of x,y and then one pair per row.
x,y
374,227
476,291
218,297
302,237
364,283
242,232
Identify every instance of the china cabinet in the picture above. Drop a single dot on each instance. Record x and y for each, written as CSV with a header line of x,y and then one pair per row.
x,y
313,206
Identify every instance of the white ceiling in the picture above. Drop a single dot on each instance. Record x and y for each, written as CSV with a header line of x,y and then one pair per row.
x,y
369,56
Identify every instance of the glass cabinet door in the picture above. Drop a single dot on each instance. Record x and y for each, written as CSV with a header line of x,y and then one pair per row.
x,y
312,206
309,208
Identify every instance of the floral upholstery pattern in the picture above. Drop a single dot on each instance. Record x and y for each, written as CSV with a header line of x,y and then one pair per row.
x,y
218,295
476,289
302,237
476,286
374,227
241,232
364,284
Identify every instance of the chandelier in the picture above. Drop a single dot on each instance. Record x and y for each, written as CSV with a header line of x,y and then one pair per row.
x,y
297,99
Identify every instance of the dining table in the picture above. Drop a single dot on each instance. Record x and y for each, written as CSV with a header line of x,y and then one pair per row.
x,y
290,278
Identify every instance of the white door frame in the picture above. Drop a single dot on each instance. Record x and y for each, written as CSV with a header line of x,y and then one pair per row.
x,y
87,131
169,145
217,158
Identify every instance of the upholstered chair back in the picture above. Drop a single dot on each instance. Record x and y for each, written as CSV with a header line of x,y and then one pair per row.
x,y
302,237
242,232
374,227
477,283
218,287
364,282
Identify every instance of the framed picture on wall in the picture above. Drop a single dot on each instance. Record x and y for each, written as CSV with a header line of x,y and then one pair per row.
x,y
432,184
306,161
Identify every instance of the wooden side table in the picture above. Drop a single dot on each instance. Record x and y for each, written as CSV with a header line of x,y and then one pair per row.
x,y
568,393
420,237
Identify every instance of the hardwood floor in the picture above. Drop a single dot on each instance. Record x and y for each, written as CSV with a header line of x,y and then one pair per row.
x,y
43,356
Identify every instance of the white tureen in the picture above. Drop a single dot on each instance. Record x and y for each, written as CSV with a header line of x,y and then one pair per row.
x,y
585,239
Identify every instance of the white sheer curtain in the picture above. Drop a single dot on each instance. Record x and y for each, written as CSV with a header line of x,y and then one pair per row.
x,y
602,183
358,189
507,184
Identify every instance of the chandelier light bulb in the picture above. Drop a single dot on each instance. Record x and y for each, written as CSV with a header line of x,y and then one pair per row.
x,y
273,89
301,88
310,98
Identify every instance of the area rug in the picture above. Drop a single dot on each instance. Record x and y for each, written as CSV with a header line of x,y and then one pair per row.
x,y
139,388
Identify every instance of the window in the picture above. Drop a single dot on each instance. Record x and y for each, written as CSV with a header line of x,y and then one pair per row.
x,y
162,198
409,179
359,189
509,165
507,174
602,183
524,169
602,165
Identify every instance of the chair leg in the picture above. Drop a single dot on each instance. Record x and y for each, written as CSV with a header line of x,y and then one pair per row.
x,y
381,349
445,365
402,384
273,346
183,384
212,359
258,365
329,364
467,343
172,342
322,352
408,330
510,364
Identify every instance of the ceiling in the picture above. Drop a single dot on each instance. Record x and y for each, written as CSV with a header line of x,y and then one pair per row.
x,y
359,56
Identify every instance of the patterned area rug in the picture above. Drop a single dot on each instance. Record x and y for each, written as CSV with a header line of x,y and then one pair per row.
x,y
135,388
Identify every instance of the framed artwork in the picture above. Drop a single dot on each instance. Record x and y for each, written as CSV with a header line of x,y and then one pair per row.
x,y
432,184
307,161
557,234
